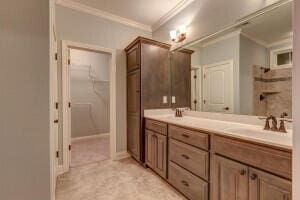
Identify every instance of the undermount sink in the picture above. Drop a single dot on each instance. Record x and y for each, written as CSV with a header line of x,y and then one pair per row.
x,y
253,132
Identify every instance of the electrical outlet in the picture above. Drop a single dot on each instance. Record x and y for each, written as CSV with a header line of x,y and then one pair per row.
x,y
165,99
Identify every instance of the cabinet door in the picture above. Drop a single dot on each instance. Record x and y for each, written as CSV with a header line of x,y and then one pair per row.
x,y
155,76
181,79
160,155
133,58
230,180
133,92
264,186
133,135
150,151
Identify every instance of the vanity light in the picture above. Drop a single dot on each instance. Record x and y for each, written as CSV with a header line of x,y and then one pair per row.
x,y
179,34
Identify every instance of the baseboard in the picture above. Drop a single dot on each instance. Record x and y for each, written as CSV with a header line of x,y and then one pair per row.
x,y
60,170
90,137
121,155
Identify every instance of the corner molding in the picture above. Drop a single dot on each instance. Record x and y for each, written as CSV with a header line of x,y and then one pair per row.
x,y
121,155
99,13
177,9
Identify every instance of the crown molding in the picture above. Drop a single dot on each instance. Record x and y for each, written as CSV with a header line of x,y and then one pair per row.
x,y
178,8
99,13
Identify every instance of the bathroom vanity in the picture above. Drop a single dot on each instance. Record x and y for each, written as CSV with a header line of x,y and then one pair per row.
x,y
217,160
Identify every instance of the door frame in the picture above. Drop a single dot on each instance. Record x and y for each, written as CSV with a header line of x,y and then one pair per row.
x,y
231,63
198,69
66,44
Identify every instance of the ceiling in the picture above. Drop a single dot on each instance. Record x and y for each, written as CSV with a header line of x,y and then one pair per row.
x,y
142,11
271,27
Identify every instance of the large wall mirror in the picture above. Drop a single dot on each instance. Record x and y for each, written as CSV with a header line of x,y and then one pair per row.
x,y
245,69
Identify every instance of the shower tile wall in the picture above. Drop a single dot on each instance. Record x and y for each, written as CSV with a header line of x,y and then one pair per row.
x,y
276,88
89,73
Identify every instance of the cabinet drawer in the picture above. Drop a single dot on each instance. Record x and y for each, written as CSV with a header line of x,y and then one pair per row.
x,y
188,184
133,58
156,126
191,158
272,160
191,137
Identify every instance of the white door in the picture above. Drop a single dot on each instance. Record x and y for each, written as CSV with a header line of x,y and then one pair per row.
x,y
218,87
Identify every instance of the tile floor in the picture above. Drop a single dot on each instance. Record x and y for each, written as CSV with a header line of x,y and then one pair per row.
x,y
90,151
93,176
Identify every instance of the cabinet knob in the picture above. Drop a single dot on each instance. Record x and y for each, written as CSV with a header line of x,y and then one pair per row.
x,y
253,176
185,183
185,156
243,172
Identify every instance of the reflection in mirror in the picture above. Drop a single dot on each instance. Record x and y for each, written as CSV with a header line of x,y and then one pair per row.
x,y
245,70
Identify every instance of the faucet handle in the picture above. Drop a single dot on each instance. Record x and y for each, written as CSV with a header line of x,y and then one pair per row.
x,y
267,124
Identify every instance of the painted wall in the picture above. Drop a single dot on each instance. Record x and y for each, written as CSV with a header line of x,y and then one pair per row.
x,y
204,17
296,104
89,76
24,108
80,27
251,54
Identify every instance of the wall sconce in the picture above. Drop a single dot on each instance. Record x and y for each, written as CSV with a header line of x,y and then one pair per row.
x,y
179,34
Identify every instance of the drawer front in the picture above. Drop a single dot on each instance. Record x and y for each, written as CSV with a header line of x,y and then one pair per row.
x,y
272,160
133,58
190,158
195,138
156,126
188,184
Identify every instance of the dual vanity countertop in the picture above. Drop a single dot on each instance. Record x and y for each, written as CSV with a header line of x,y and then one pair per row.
x,y
243,131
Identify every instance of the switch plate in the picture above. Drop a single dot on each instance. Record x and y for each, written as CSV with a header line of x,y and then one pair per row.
x,y
173,99
165,99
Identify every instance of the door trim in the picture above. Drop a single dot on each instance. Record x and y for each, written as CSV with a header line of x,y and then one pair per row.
x,y
66,98
231,63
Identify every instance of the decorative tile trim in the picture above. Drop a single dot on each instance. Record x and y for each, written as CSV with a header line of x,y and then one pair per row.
x,y
272,79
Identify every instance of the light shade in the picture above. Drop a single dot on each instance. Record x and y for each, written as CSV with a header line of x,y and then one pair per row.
x,y
182,29
173,34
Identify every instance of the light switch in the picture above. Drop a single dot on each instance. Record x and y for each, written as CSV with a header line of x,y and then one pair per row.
x,y
165,99
173,99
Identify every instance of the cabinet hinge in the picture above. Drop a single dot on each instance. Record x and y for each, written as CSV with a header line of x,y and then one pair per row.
x,y
57,154
204,101
69,62
56,105
204,76
70,147
195,76
56,121
69,104
56,56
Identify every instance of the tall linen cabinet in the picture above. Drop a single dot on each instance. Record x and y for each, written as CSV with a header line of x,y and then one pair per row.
x,y
148,87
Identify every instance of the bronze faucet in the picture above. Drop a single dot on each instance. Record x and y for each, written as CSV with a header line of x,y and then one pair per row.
x,y
282,120
267,124
274,123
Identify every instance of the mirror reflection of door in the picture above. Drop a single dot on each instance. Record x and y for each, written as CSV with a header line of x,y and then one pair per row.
x,y
196,88
218,87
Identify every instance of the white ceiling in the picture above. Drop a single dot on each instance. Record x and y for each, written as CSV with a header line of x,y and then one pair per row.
x,y
147,12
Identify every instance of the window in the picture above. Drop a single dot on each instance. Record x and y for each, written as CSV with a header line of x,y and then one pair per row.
x,y
282,58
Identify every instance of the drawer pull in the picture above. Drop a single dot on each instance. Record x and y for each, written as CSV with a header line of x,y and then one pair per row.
x,y
243,172
253,176
186,136
185,183
185,156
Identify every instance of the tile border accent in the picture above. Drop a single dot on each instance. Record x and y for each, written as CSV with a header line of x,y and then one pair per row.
x,y
272,79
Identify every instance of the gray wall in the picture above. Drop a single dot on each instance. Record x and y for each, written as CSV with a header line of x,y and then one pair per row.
x,y
296,104
24,94
251,54
75,26
89,93
204,17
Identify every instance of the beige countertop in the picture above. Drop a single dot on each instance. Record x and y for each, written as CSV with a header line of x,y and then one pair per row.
x,y
248,132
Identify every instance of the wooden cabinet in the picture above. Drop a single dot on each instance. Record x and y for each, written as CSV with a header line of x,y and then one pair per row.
x,y
181,78
230,180
148,80
264,186
156,152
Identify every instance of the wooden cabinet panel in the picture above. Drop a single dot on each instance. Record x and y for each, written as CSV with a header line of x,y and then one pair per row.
x,y
195,138
133,92
133,135
160,155
155,76
156,126
264,186
133,58
188,184
190,158
230,180
181,78
272,160
149,145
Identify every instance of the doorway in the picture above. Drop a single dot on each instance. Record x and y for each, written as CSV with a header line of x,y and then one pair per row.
x,y
218,87
89,104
